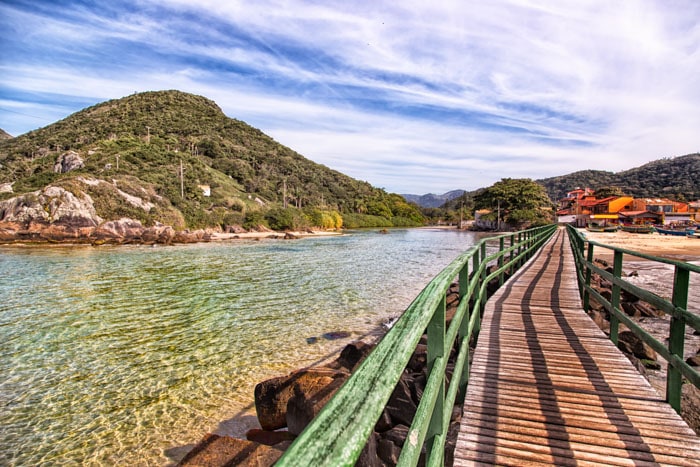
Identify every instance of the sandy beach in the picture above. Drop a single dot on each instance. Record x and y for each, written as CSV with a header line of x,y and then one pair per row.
x,y
666,246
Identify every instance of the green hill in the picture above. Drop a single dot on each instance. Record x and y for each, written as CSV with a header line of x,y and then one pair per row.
x,y
166,147
670,177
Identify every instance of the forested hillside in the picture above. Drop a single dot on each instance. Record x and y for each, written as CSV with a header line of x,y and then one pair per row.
x,y
677,178
172,145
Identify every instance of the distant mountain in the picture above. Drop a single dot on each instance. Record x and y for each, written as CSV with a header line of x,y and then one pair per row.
x,y
432,200
677,178
5,135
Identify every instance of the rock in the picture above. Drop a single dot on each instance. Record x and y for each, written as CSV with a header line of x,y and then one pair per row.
x,y
123,230
290,236
352,355
368,456
419,358
693,361
215,450
600,319
67,162
306,403
311,340
272,396
641,309
631,344
331,336
384,423
6,187
388,451
401,406
396,435
269,438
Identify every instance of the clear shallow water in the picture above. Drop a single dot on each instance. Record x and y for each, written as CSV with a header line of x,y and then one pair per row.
x,y
129,355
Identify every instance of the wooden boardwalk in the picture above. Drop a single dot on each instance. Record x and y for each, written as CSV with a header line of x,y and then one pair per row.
x,y
547,387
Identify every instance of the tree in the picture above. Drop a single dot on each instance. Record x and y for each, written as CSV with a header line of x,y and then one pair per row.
x,y
521,202
608,191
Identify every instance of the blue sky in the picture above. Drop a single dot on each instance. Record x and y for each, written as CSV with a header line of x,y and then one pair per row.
x,y
411,96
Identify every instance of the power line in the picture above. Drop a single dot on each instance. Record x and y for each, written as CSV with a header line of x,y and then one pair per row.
x,y
21,113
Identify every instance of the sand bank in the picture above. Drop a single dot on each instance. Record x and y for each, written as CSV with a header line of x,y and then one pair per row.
x,y
666,246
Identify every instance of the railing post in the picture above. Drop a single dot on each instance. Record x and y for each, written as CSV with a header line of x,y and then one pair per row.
x,y
436,349
615,299
484,273
588,261
464,328
501,276
676,342
510,260
520,249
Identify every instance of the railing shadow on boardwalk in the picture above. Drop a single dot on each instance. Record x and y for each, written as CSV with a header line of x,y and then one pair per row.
x,y
539,394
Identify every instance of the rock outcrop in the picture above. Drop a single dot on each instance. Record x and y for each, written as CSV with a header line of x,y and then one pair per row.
x,y
67,162
56,214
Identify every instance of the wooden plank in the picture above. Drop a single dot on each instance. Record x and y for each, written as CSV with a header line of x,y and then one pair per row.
x,y
547,387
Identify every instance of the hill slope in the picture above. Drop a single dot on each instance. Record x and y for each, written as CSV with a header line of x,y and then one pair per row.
x,y
670,177
165,148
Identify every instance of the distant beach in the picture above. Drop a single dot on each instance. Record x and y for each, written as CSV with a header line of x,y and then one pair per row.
x,y
666,246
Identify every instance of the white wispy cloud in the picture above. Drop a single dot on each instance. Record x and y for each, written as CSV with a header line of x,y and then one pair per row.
x,y
410,96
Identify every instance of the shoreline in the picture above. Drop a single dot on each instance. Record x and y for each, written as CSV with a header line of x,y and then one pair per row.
x,y
663,246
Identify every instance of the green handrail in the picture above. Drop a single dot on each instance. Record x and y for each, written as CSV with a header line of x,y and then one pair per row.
x,y
677,308
338,434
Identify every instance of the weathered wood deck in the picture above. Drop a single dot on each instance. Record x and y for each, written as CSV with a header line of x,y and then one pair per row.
x,y
547,387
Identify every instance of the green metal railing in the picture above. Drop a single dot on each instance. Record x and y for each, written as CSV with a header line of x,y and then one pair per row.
x,y
338,434
677,308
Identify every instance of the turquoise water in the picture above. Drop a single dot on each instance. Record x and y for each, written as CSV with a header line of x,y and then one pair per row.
x,y
129,355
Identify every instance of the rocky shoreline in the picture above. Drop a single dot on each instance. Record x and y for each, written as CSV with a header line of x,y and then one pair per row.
x,y
56,215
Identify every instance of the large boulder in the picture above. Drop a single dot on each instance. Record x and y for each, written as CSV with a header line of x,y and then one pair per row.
x,y
629,343
51,214
304,405
67,162
215,450
272,395
352,355
52,204
123,230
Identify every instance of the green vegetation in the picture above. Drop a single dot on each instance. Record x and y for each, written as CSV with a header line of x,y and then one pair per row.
x,y
167,147
520,202
674,178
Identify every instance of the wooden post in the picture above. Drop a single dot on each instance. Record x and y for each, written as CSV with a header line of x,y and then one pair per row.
x,y
436,349
676,341
586,293
615,299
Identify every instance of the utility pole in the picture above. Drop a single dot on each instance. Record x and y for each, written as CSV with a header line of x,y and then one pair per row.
x,y
148,134
182,181
284,193
498,216
117,162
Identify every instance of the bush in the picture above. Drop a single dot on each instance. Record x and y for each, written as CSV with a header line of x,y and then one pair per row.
x,y
253,219
358,221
